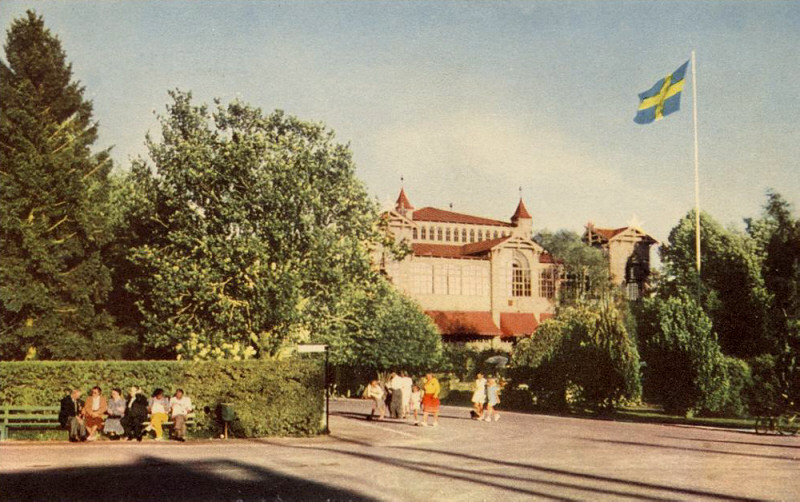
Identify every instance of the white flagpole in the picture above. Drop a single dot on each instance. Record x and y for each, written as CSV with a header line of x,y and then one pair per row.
x,y
696,168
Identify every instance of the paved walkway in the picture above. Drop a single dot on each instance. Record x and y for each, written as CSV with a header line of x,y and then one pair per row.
x,y
520,457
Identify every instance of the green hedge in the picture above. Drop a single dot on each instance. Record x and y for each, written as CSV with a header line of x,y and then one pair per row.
x,y
271,398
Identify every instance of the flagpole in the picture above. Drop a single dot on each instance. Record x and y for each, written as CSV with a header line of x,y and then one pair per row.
x,y
696,168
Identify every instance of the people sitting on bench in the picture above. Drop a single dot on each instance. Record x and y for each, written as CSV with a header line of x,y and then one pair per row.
x,y
116,410
180,406
135,415
158,406
70,417
94,411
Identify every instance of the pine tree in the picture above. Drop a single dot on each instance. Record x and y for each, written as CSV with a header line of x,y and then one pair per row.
x,y
53,226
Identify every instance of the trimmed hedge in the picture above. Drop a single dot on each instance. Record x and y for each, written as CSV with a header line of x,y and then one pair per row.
x,y
271,398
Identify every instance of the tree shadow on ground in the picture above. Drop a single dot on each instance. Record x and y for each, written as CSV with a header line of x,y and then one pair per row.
x,y
686,448
157,480
748,443
544,482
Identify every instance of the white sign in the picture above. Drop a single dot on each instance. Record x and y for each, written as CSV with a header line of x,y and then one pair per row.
x,y
311,348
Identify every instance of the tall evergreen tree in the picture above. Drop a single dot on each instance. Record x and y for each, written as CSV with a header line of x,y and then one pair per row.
x,y
53,281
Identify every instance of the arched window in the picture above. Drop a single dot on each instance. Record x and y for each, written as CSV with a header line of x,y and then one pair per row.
x,y
463,235
496,234
447,235
472,235
439,233
455,235
423,233
520,276
480,235
414,233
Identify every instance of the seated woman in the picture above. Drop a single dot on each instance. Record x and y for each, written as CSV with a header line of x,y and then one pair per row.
x,y
116,410
94,411
135,414
158,406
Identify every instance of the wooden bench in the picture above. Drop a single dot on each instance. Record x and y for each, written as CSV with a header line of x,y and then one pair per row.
x,y
27,417
46,417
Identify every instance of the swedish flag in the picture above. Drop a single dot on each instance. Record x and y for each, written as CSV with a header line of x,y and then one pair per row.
x,y
663,98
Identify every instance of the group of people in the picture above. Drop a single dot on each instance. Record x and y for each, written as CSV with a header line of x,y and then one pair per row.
x,y
485,397
403,398
121,418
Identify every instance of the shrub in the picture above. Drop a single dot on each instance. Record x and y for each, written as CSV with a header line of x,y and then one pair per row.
x,y
270,397
686,370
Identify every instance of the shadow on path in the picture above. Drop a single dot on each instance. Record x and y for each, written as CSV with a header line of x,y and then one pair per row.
x,y
749,443
686,448
157,480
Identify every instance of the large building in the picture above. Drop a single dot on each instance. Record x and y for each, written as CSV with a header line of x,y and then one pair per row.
x,y
476,277
628,253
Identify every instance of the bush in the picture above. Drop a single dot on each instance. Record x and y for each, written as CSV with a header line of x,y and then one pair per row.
x,y
271,398
686,370
586,349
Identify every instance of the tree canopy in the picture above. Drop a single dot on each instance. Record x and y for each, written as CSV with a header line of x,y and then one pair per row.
x,y
54,281
585,267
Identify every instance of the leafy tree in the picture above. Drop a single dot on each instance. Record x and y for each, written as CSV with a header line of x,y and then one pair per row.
x,y
585,350
53,279
777,234
585,267
257,232
685,369
730,285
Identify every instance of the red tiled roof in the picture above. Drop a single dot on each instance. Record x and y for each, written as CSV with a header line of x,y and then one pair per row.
x,y
440,215
517,323
608,233
451,322
545,316
521,212
473,250
402,201
548,258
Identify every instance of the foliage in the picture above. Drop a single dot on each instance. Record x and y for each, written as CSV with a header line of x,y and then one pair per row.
x,y
465,360
585,270
390,333
685,368
270,397
586,349
54,279
730,286
257,231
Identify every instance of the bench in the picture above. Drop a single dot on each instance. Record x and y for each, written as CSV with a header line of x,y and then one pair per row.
x,y
46,417
28,417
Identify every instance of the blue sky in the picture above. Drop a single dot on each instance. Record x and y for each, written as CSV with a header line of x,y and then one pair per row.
x,y
471,100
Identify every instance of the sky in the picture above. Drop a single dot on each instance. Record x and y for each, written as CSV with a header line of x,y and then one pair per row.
x,y
469,101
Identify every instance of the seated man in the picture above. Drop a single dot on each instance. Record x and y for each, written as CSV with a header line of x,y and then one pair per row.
x,y
181,406
71,416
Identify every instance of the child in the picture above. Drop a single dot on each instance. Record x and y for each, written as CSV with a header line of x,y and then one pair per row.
x,y
415,402
493,393
478,396
374,391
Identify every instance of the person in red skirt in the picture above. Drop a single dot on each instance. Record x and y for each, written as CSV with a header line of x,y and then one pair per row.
x,y
430,400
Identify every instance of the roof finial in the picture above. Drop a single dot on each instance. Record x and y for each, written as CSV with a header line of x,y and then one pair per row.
x,y
451,206
520,192
402,181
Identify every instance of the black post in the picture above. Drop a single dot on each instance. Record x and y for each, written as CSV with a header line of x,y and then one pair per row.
x,y
327,394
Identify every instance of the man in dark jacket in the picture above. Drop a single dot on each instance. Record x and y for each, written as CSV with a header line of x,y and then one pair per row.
x,y
135,414
70,416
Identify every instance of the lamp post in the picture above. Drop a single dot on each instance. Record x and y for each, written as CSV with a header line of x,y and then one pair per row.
x,y
307,349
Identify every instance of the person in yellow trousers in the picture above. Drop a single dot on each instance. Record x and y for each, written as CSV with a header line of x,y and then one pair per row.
x,y
158,406
430,400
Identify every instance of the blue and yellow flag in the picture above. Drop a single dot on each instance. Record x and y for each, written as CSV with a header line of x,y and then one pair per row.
x,y
663,98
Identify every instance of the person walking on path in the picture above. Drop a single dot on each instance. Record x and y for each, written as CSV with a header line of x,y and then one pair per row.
x,y
408,383
116,410
396,388
374,391
493,394
180,406
94,411
430,400
158,406
478,396
70,416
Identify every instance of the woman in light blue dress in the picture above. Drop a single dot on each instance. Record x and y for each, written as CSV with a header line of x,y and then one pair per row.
x,y
116,409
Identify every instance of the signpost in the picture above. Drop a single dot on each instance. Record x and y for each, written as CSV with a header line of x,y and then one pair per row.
x,y
310,349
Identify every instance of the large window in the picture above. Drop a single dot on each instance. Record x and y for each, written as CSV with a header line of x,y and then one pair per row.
x,y
474,281
422,279
520,277
547,283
